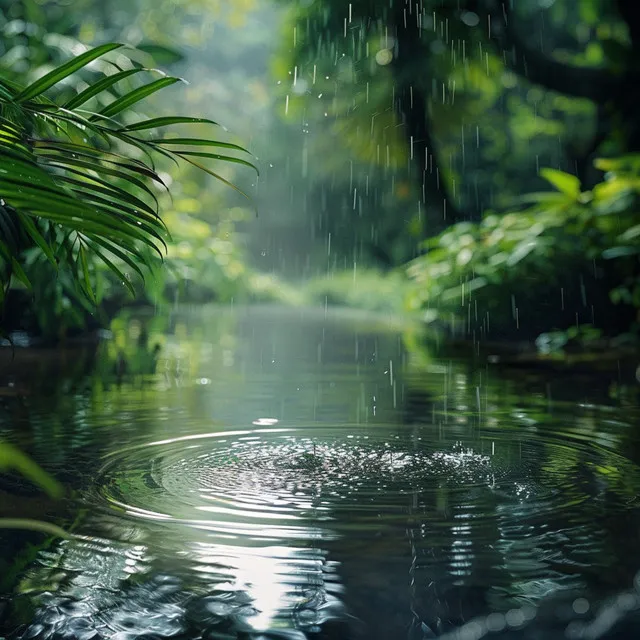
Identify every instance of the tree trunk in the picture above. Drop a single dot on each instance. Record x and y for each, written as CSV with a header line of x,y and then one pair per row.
x,y
411,106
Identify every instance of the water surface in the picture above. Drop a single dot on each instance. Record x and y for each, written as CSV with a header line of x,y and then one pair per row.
x,y
299,473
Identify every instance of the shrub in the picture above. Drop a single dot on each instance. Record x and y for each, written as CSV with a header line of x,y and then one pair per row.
x,y
560,261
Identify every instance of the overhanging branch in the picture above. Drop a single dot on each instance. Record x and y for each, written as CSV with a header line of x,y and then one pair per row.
x,y
579,82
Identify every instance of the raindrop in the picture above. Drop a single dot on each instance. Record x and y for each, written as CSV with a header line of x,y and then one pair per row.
x,y
384,57
470,18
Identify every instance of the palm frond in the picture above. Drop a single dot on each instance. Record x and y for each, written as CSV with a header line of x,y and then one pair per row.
x,y
78,184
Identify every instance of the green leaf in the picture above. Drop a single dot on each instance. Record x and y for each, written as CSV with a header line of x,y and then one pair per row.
x,y
127,216
8,231
564,182
161,54
12,459
85,274
155,123
33,525
73,213
631,233
197,142
61,72
64,162
215,156
218,177
99,87
19,273
620,252
145,146
121,276
118,252
36,236
113,192
72,118
134,96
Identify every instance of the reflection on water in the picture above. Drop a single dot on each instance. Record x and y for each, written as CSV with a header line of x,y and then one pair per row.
x,y
297,473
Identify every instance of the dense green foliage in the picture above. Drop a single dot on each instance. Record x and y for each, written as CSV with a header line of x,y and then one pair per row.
x,y
552,264
76,185
377,132
432,121
93,132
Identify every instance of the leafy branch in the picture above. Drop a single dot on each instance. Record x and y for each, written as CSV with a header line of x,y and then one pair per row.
x,y
78,184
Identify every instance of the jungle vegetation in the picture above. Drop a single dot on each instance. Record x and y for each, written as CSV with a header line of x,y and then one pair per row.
x,y
492,147
471,161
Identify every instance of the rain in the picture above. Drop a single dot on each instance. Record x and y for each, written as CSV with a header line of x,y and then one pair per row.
x,y
319,319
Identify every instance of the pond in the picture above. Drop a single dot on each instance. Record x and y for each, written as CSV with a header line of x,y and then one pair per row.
x,y
268,473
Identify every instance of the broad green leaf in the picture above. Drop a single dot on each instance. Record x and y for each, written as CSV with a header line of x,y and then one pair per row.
x,y
134,96
155,123
99,87
564,182
631,233
620,252
61,72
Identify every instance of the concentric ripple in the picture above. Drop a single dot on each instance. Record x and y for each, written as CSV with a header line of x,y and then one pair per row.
x,y
296,483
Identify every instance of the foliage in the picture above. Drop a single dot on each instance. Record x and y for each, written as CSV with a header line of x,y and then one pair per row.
x,y
492,123
547,264
77,184
365,289
12,459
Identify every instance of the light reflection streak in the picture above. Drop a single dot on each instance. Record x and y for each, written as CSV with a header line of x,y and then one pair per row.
x,y
271,576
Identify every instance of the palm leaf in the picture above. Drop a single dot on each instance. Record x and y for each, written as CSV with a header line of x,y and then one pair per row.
x,y
197,142
115,193
99,87
134,96
36,236
121,276
86,278
119,253
156,123
61,72
216,156
19,273
75,181
217,176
